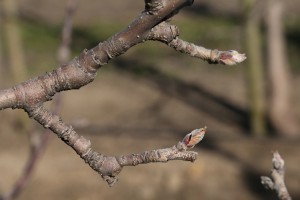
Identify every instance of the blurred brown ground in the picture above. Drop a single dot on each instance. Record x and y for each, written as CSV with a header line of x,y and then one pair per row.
x,y
123,113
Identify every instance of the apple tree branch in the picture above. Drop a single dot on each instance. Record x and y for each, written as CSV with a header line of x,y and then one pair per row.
x,y
150,24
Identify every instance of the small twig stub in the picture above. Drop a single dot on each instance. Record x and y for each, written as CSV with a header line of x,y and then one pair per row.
x,y
276,181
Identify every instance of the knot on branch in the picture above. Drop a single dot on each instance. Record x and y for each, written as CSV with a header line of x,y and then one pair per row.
x,y
88,63
163,32
107,166
214,57
109,170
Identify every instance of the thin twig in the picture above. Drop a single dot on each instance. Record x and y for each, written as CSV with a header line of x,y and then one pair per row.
x,y
82,70
168,34
64,50
276,182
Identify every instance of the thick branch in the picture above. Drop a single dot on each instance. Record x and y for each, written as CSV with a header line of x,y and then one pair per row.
x,y
31,94
82,69
276,182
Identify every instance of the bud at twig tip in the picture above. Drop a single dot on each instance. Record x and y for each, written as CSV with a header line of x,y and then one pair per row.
x,y
194,137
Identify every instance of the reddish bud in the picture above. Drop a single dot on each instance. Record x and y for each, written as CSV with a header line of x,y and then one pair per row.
x,y
194,137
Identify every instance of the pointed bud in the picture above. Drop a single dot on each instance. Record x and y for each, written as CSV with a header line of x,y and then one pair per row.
x,y
194,137
231,57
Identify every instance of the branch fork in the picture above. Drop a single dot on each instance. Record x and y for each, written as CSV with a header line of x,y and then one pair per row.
x,y
149,25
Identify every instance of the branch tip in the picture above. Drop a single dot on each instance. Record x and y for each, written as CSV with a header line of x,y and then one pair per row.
x,y
230,57
276,181
277,161
194,137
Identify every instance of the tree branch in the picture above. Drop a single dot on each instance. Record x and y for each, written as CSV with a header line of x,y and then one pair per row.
x,y
38,141
31,94
109,166
168,34
82,69
276,182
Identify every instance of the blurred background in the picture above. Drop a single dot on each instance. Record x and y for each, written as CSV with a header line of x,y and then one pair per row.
x,y
152,96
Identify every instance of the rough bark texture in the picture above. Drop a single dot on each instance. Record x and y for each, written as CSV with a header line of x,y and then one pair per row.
x,y
149,25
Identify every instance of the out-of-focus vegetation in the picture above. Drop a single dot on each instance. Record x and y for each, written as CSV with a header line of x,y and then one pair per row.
x,y
40,44
148,98
41,39
293,43
199,24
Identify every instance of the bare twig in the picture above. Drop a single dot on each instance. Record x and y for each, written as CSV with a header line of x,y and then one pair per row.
x,y
230,57
63,53
31,94
168,34
110,166
276,182
36,150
